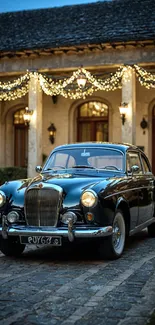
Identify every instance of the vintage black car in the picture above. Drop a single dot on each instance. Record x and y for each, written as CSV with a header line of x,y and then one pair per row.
x,y
103,191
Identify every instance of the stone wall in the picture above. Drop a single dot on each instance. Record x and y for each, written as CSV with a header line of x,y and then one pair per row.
x,y
62,114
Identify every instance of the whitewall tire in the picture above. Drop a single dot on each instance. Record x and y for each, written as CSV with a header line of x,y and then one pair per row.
x,y
112,246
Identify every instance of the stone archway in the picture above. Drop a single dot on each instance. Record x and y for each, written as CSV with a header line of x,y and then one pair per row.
x,y
8,130
20,139
73,115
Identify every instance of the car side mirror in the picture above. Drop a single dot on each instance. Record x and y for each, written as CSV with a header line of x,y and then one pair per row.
x,y
134,169
38,169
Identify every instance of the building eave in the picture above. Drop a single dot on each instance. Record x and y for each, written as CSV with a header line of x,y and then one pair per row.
x,y
70,50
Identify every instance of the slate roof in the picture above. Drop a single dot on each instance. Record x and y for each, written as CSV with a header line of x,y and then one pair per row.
x,y
92,23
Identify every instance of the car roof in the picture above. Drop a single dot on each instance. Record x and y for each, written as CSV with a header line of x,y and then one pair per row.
x,y
120,146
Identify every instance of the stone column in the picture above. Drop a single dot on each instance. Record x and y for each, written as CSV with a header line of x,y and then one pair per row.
x,y
129,96
2,137
35,129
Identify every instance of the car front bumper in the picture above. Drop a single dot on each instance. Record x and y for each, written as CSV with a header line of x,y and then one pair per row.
x,y
69,231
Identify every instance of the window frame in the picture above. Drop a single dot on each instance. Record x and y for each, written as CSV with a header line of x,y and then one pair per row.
x,y
147,163
140,160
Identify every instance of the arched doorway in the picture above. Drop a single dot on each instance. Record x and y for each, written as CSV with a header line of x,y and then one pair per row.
x,y
92,121
20,139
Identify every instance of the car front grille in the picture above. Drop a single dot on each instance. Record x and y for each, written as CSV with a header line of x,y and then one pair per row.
x,y
42,206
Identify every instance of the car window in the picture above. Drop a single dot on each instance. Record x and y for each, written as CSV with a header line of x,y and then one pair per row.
x,y
133,159
62,160
113,161
71,162
146,166
109,159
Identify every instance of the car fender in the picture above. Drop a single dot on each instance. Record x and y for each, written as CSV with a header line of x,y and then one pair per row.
x,y
123,205
14,191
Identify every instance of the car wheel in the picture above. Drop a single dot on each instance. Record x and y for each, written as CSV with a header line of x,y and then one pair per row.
x,y
151,230
112,246
11,246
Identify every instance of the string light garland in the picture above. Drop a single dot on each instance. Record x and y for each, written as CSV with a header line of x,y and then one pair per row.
x,y
15,83
146,78
14,94
69,88
14,89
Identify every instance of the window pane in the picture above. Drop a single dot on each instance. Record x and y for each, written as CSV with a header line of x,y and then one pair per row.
x,y
101,131
93,109
133,159
83,110
108,159
85,132
99,158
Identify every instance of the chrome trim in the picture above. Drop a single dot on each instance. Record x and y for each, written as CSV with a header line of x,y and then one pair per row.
x,y
61,148
70,231
141,226
95,195
38,214
79,232
4,198
128,190
46,186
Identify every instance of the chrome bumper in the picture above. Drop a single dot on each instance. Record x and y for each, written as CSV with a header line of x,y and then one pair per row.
x,y
70,231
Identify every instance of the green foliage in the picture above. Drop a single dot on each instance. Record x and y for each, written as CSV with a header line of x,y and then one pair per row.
x,y
12,173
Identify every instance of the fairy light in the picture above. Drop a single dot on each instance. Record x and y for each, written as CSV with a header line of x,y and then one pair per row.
x,y
145,78
68,87
127,72
15,83
92,84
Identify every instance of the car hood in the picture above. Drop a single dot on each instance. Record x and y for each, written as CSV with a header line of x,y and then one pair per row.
x,y
73,185
68,181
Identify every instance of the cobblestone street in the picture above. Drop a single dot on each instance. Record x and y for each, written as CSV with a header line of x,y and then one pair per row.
x,y
72,285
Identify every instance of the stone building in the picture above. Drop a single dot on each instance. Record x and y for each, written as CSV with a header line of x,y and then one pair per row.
x,y
105,38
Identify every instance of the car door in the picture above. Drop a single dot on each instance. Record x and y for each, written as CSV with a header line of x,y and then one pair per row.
x,y
132,159
146,199
143,184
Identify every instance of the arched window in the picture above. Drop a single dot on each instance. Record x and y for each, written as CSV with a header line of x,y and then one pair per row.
x,y
92,121
20,139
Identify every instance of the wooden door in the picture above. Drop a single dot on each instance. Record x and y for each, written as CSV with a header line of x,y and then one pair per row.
x,y
21,145
92,122
92,131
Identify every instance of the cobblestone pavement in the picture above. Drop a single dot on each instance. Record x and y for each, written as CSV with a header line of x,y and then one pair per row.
x,y
72,285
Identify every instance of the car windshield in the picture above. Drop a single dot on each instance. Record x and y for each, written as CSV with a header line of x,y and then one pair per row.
x,y
95,158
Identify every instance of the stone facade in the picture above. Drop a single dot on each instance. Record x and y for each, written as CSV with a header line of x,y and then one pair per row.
x,y
98,48
63,115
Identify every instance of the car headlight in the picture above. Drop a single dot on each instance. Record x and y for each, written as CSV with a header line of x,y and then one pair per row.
x,y
89,198
66,217
12,216
2,198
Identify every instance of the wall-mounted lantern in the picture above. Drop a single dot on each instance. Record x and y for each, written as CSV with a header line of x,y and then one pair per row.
x,y
144,124
123,110
27,116
52,132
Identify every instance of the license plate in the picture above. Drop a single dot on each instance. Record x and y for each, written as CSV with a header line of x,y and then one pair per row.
x,y
41,240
